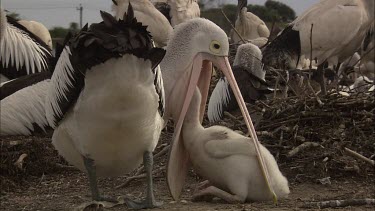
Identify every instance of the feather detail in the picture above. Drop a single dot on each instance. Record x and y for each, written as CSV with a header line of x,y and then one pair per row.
x,y
219,99
21,52
95,45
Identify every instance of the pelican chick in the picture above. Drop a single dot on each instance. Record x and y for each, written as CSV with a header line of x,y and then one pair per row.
x,y
193,48
228,161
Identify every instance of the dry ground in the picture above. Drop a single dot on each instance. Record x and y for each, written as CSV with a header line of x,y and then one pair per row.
x,y
44,181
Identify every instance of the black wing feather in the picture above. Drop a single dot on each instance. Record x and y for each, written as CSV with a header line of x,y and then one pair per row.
x,y
100,42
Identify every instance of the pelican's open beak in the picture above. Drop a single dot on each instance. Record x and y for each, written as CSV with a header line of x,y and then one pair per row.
x,y
178,161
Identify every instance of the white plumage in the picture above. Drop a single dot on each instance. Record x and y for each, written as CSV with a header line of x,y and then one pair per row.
x,y
145,12
23,109
250,76
229,162
194,47
39,30
249,26
20,51
126,123
339,27
183,10
220,97
107,106
62,81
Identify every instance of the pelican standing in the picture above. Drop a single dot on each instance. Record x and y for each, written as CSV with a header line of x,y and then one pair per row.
x,y
194,46
249,26
250,76
146,13
106,101
339,27
228,161
39,30
21,52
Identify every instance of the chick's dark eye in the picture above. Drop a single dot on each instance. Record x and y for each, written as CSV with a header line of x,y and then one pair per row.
x,y
216,46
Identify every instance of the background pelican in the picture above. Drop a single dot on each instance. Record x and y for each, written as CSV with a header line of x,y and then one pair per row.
x,y
39,30
194,46
106,101
21,52
22,102
178,11
339,27
250,76
249,26
146,13
22,105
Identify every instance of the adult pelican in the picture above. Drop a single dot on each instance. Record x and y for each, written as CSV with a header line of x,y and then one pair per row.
x,y
22,102
146,13
39,30
250,76
21,52
178,11
338,29
249,26
193,47
106,101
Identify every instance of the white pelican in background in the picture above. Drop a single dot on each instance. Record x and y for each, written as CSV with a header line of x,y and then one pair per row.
x,y
178,11
22,102
228,161
339,27
249,26
193,47
368,56
39,30
250,76
106,101
146,13
21,52
22,105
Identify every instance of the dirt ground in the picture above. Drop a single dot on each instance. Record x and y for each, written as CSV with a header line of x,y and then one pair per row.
x,y
65,188
34,177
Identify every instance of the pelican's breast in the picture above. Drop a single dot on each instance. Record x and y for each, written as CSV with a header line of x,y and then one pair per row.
x,y
120,104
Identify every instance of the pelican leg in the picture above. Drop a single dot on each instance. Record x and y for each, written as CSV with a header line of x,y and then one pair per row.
x,y
91,171
209,193
149,202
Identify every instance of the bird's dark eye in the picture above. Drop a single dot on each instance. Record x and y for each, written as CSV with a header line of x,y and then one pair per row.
x,y
216,46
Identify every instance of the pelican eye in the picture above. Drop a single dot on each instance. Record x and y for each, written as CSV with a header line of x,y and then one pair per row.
x,y
215,46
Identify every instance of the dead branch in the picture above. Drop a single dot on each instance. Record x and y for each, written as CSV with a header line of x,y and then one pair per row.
x,y
302,147
339,203
359,156
235,30
140,176
19,162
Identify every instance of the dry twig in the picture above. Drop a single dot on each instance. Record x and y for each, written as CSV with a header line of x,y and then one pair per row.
x,y
359,156
339,203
